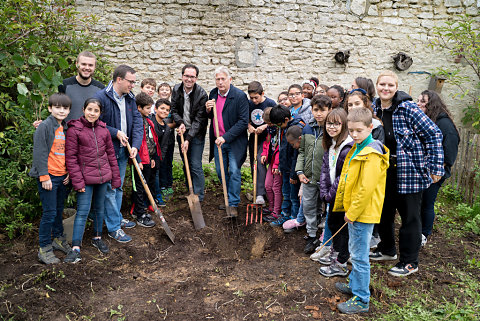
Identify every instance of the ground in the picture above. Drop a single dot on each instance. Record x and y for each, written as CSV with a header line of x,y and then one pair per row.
x,y
227,271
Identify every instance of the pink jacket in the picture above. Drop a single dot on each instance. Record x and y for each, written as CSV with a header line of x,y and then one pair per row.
x,y
266,148
89,154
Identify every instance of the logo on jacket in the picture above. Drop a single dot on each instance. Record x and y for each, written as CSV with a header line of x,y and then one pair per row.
x,y
257,117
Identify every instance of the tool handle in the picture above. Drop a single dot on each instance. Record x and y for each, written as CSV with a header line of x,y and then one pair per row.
x,y
255,146
323,245
220,158
187,167
144,182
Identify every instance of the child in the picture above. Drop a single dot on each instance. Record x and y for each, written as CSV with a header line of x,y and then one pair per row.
x,y
336,144
358,98
164,91
283,99
360,194
309,86
300,106
321,90
273,180
367,85
257,104
51,173
148,86
92,164
337,95
282,118
147,158
309,166
166,139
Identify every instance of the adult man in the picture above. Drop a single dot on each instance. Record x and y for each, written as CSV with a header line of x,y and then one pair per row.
x,y
82,86
188,111
125,125
232,111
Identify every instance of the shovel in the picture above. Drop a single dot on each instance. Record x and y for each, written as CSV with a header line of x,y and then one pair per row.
x,y
254,208
193,201
150,198
222,170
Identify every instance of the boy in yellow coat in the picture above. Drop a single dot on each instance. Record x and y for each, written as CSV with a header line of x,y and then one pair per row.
x,y
360,194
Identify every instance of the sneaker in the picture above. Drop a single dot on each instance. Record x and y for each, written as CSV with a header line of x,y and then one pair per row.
x,y
46,255
60,243
249,197
160,202
127,224
424,240
279,222
319,253
312,243
260,200
270,217
120,236
328,259
73,257
334,269
266,211
343,288
100,245
403,269
378,256
145,221
352,306
374,242
322,222
292,225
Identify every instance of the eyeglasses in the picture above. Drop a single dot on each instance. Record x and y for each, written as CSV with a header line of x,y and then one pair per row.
x,y
283,99
294,94
133,82
334,125
189,77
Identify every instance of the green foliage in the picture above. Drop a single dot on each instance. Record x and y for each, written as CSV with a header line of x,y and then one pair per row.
x,y
247,180
461,38
39,42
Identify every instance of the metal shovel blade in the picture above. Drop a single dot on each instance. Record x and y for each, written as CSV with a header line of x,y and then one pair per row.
x,y
196,211
164,225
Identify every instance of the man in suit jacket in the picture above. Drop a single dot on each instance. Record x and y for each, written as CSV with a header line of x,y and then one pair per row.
x,y
232,111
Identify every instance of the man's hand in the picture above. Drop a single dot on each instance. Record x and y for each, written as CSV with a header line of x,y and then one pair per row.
x,y
181,129
66,180
152,163
263,159
122,137
185,146
347,219
47,185
303,179
133,152
251,129
260,129
36,123
209,105
220,141
435,178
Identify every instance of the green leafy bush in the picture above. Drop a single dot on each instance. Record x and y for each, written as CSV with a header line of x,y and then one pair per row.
x,y
39,42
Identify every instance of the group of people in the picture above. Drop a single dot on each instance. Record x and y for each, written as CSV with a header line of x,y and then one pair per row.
x,y
346,156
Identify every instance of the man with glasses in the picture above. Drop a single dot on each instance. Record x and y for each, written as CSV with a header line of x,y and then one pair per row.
x,y
189,113
125,124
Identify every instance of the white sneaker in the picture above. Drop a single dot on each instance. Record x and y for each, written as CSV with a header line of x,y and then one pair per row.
x,y
325,251
424,240
260,200
374,242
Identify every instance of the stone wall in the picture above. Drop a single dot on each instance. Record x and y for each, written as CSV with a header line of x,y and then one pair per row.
x,y
277,42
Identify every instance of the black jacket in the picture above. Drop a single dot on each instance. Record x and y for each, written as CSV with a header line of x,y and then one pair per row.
x,y
198,113
450,142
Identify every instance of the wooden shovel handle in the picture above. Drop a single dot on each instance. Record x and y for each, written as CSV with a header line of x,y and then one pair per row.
x,y
220,158
187,167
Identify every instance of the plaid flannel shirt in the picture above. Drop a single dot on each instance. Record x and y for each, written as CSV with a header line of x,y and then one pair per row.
x,y
419,148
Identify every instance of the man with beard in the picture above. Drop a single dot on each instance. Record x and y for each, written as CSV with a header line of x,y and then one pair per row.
x,y
82,86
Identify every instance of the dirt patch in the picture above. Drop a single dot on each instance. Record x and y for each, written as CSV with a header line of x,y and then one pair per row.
x,y
227,271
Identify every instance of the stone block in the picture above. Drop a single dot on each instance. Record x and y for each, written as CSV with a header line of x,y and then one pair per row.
x,y
156,46
453,3
455,10
393,21
425,15
405,13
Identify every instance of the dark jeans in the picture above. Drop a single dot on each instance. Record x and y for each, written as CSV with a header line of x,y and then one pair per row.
x,y
408,206
53,201
261,168
139,196
340,241
194,155
428,207
165,169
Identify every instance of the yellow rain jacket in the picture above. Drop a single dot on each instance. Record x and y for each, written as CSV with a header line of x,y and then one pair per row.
x,y
361,189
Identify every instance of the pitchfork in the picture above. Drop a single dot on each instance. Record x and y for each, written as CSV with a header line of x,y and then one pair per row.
x,y
254,208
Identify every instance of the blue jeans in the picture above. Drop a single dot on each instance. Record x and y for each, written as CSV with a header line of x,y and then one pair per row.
x,y
113,198
84,202
359,246
327,233
300,216
194,155
428,207
53,201
233,175
291,203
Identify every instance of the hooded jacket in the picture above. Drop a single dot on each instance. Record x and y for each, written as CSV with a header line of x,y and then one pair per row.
x,y
310,153
305,111
90,155
268,151
450,142
361,188
287,154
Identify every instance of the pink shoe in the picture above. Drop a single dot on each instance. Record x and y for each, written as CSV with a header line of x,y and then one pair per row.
x,y
292,224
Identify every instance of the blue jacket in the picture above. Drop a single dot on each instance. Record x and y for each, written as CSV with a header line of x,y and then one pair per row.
x,y
419,144
288,155
111,116
235,121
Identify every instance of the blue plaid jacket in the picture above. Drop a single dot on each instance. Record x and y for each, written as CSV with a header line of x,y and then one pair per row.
x,y
419,146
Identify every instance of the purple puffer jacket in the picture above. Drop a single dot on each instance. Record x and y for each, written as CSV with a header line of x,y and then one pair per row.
x,y
89,154
328,190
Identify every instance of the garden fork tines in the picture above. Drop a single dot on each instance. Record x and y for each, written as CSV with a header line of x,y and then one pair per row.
x,y
254,209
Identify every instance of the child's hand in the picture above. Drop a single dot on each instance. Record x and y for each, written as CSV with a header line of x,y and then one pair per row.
x,y
303,179
152,163
36,123
141,166
82,190
47,185
263,159
251,129
276,171
260,129
293,181
66,180
347,219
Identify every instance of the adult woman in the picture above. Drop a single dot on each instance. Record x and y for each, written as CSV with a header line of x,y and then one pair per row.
x,y
433,106
416,160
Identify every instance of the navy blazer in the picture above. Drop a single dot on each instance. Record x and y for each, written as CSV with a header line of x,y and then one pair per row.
x,y
235,121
